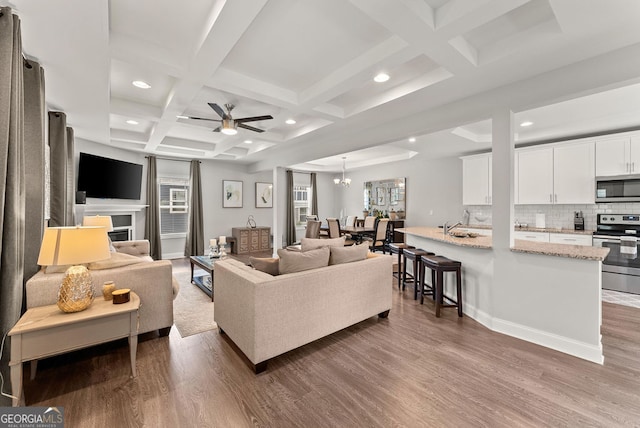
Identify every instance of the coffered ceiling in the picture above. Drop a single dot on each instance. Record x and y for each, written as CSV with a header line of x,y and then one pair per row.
x,y
450,62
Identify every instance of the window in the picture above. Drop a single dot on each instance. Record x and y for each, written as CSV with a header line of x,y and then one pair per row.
x,y
173,205
302,204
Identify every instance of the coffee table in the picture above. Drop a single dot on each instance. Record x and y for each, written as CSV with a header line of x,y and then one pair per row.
x,y
205,281
44,331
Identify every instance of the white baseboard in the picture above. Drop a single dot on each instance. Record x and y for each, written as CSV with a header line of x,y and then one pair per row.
x,y
582,350
569,346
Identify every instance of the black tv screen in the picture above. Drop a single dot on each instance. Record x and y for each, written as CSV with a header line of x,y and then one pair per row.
x,y
109,178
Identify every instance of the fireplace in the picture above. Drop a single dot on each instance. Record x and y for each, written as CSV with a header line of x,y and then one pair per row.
x,y
120,235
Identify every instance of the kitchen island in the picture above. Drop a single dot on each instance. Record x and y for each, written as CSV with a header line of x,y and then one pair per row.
x,y
549,294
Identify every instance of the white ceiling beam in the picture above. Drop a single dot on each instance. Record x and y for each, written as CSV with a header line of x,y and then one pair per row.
x,y
616,68
225,29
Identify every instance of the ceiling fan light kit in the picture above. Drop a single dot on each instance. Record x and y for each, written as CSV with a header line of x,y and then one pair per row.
x,y
229,125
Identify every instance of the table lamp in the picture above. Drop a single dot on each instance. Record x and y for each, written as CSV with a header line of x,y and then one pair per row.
x,y
98,220
73,246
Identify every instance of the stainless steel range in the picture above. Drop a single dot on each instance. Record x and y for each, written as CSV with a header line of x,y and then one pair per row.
x,y
621,268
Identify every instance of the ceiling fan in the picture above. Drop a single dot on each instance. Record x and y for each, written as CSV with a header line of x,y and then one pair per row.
x,y
229,125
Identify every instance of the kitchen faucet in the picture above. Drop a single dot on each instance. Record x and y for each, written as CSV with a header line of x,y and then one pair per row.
x,y
446,228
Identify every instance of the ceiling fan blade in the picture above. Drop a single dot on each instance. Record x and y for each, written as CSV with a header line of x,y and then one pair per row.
x,y
253,119
204,118
217,129
250,128
218,110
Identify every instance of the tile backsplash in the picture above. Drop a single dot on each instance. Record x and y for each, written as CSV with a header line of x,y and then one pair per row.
x,y
556,216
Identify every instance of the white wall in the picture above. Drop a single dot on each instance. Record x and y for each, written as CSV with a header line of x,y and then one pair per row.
x,y
433,189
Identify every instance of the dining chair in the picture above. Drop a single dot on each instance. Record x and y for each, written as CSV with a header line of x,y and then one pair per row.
x,y
335,232
313,229
369,221
379,241
351,220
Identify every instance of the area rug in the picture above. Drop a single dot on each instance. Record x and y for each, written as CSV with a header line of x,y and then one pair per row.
x,y
192,308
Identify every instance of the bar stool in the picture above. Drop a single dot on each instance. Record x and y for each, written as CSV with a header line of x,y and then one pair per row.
x,y
414,255
397,248
439,265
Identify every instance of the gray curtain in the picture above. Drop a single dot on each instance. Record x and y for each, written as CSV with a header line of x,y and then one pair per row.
x,y
195,230
62,170
152,219
314,194
70,185
290,232
34,165
12,180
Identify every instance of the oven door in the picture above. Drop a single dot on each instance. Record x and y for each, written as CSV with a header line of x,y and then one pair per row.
x,y
620,271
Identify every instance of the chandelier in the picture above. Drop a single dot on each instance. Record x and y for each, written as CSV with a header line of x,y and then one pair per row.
x,y
345,181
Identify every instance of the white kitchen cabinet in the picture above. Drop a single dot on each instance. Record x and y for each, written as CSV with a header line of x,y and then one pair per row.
x,y
570,238
476,180
574,174
618,156
535,176
561,174
531,236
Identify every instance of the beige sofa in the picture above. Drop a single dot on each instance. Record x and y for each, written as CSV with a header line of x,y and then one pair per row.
x,y
151,280
266,315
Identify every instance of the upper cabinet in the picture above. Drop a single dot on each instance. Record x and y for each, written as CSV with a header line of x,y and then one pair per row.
x,y
618,156
476,180
561,174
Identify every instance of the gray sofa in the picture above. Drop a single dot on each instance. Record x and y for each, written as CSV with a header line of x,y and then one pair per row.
x,y
266,316
151,280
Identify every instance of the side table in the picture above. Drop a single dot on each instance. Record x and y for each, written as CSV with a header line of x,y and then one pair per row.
x,y
202,282
45,331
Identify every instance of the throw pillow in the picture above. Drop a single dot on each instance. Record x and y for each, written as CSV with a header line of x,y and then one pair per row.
x,y
298,261
266,265
116,260
312,243
353,253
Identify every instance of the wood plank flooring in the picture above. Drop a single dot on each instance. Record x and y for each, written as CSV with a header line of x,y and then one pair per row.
x,y
410,369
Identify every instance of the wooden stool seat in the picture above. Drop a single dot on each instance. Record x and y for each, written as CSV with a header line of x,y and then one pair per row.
x,y
414,255
439,265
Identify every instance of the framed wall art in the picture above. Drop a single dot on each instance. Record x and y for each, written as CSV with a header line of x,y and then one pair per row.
x,y
231,194
264,195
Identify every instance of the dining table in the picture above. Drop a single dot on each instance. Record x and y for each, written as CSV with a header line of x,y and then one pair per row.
x,y
356,232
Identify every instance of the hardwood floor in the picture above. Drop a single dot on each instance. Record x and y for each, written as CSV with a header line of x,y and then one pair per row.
x,y
410,369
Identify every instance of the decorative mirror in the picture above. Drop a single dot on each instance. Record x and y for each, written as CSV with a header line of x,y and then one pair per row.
x,y
385,197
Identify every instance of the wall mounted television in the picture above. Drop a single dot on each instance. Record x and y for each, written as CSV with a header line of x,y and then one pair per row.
x,y
109,178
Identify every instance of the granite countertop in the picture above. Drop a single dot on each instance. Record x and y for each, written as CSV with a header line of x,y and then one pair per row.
x,y
520,246
532,229
436,234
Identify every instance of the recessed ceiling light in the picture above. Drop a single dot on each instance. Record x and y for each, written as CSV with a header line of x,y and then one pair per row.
x,y
248,142
412,139
182,117
382,77
526,123
290,122
140,84
132,122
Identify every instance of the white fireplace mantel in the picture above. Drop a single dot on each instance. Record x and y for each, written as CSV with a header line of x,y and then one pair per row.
x,y
103,208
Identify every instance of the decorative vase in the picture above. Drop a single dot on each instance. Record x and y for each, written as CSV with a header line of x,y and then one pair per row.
x,y
76,291
107,290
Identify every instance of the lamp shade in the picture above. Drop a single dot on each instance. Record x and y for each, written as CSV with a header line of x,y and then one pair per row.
x,y
98,220
73,245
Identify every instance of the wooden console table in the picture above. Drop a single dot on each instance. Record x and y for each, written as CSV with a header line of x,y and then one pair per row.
x,y
251,239
45,331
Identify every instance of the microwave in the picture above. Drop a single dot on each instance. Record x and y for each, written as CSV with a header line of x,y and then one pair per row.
x,y
619,188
